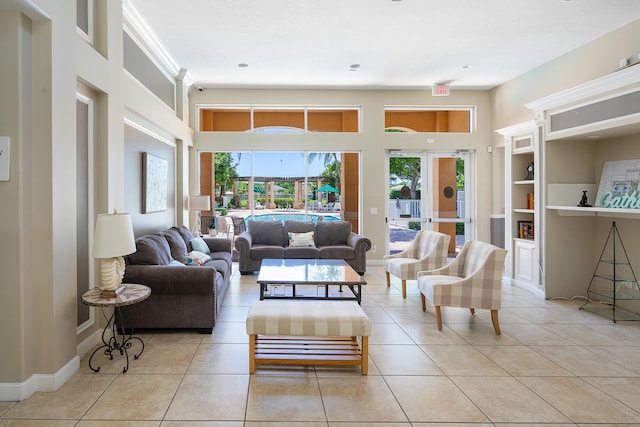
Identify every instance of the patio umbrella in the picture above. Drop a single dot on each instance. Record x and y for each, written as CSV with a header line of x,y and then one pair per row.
x,y
327,189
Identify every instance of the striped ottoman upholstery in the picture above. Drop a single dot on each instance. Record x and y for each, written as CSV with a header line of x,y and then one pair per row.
x,y
308,333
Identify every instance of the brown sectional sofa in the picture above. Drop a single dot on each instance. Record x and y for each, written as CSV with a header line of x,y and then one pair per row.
x,y
182,296
270,239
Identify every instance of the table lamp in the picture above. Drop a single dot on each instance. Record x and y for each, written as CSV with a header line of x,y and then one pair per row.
x,y
113,239
198,204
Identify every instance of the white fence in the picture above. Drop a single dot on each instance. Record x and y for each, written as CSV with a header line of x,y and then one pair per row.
x,y
411,207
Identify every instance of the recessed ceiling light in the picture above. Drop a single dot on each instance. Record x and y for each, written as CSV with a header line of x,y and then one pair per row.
x,y
242,65
354,67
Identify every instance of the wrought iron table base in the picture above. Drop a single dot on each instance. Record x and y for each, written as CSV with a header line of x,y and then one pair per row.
x,y
111,344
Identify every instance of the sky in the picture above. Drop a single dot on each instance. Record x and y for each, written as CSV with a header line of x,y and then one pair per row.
x,y
284,164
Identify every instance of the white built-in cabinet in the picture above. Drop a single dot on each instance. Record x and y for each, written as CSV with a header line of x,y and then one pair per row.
x,y
521,199
577,131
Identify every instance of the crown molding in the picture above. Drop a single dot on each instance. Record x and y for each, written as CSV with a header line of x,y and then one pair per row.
x,y
597,87
138,28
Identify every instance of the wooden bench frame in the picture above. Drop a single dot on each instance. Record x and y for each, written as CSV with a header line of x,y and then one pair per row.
x,y
299,350
308,333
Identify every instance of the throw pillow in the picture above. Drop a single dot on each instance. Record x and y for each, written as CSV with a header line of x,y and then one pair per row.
x,y
196,258
198,244
301,239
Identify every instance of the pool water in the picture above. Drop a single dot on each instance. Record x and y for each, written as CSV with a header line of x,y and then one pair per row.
x,y
287,216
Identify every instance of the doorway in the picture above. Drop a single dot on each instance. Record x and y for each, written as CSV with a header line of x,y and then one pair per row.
x,y
429,190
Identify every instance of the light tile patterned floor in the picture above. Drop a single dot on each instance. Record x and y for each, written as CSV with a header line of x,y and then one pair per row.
x,y
553,365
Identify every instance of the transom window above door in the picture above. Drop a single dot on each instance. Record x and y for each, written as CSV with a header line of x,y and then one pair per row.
x,y
428,119
259,119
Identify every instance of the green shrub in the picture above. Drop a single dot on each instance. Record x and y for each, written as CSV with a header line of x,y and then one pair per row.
x,y
222,211
415,226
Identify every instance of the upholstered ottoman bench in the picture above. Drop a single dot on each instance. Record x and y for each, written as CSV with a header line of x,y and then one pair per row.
x,y
308,333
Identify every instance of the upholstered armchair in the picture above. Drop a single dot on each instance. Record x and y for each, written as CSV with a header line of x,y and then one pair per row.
x,y
472,280
428,251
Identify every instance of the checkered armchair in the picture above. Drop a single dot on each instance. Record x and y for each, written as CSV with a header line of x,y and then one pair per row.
x,y
428,251
473,280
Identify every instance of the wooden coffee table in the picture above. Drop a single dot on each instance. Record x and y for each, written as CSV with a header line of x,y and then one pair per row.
x,y
309,279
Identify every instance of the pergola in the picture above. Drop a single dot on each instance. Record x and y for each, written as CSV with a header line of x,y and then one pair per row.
x,y
269,190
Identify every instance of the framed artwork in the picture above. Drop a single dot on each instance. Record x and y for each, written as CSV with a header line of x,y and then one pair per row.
x,y
525,230
155,173
619,185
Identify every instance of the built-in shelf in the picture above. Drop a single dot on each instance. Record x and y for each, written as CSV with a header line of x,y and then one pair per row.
x,y
596,211
523,240
524,182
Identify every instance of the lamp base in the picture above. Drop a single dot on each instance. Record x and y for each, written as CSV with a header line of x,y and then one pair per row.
x,y
112,293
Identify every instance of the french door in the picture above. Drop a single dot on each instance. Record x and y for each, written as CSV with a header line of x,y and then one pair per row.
x,y
429,190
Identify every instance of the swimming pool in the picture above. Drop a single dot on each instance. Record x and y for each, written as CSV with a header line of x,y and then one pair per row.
x,y
287,216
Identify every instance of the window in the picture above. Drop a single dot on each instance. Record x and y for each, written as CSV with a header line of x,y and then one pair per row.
x,y
263,118
425,119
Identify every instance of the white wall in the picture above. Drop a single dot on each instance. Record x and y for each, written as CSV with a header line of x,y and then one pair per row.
x,y
44,61
371,142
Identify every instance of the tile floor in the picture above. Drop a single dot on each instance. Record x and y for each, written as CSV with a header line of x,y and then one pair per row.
x,y
553,365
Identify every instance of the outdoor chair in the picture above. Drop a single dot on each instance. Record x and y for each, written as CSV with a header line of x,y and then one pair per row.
x,y
428,251
223,226
472,280
239,226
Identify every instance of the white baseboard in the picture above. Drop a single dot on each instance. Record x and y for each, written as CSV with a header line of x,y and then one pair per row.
x,y
89,343
12,392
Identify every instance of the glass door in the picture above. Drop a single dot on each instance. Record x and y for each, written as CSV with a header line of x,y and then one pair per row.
x,y
444,203
450,200
406,208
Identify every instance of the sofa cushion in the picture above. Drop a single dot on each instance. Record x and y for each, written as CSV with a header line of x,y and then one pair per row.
x,y
266,251
220,261
152,249
266,232
332,232
337,252
301,252
177,244
186,235
294,226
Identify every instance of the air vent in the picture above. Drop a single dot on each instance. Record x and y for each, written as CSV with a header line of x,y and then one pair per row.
x,y
600,111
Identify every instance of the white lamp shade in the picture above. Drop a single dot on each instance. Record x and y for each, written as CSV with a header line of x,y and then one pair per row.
x,y
113,236
199,203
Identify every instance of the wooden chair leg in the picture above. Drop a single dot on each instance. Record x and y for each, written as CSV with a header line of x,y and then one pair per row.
x,y
494,319
439,317
424,302
472,310
388,279
404,289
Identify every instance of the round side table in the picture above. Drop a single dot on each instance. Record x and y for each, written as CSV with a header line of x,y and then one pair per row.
x,y
132,294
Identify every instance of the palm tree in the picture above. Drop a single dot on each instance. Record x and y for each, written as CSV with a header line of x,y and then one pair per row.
x,y
332,166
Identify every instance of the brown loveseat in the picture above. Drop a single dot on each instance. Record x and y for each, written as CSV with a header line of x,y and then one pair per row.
x,y
271,239
182,296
